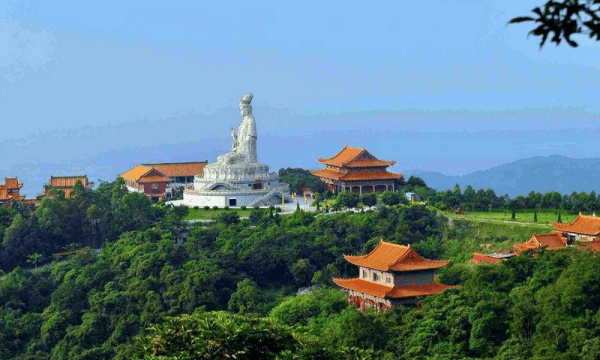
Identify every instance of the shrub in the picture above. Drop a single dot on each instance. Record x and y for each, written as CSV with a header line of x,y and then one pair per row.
x,y
226,208
207,207
215,207
347,199
390,198
243,207
368,199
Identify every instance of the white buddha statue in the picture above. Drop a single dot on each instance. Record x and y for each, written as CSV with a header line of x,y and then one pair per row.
x,y
243,149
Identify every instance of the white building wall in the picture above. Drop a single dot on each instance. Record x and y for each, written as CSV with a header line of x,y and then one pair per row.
x,y
217,199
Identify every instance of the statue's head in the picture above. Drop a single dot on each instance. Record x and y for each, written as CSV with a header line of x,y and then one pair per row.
x,y
245,107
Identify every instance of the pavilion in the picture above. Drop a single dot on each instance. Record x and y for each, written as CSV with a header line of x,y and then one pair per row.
x,y
357,170
391,275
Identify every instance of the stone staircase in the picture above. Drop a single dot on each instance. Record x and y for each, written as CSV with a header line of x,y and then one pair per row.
x,y
280,191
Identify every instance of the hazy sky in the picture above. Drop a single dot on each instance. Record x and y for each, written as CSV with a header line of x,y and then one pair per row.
x,y
442,85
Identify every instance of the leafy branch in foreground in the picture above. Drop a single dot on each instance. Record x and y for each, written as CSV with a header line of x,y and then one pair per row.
x,y
560,20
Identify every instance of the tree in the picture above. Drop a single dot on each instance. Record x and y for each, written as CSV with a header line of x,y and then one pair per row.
x,y
562,19
368,199
347,199
246,298
415,181
559,220
391,198
34,259
535,219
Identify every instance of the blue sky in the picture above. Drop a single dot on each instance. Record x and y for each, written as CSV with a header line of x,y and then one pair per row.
x,y
445,86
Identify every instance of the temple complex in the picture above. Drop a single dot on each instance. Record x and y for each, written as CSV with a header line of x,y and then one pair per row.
x,y
357,170
391,275
583,231
237,178
65,183
9,191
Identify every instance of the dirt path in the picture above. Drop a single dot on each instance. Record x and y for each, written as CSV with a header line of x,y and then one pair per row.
x,y
470,218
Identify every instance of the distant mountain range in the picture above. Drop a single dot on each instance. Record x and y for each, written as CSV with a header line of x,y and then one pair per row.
x,y
543,174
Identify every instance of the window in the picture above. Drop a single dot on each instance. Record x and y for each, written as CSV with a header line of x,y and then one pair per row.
x,y
388,280
376,277
364,274
154,186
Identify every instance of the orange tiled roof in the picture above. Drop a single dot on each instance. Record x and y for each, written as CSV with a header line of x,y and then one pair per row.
x,y
391,257
594,245
395,292
355,157
12,183
353,175
67,181
153,177
180,169
136,173
584,224
479,258
553,241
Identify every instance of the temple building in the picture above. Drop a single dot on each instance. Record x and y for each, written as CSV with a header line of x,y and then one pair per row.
x,y
181,174
65,183
583,231
357,170
391,275
9,191
551,241
147,180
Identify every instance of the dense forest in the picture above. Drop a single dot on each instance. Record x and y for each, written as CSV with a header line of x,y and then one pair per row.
x,y
231,289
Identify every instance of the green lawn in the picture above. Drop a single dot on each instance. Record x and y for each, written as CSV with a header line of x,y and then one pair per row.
x,y
544,217
197,214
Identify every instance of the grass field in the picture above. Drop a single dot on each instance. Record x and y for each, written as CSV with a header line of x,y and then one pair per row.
x,y
544,217
199,214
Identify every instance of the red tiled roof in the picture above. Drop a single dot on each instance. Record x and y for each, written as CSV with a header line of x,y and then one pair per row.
x,y
584,224
67,181
180,169
391,257
352,175
355,157
395,292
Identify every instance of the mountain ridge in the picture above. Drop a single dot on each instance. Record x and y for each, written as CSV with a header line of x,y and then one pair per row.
x,y
539,173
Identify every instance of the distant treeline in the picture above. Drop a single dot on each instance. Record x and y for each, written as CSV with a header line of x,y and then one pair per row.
x,y
469,198
487,199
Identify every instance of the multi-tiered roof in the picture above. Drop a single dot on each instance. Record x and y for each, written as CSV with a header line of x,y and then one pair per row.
x,y
393,258
10,190
354,164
